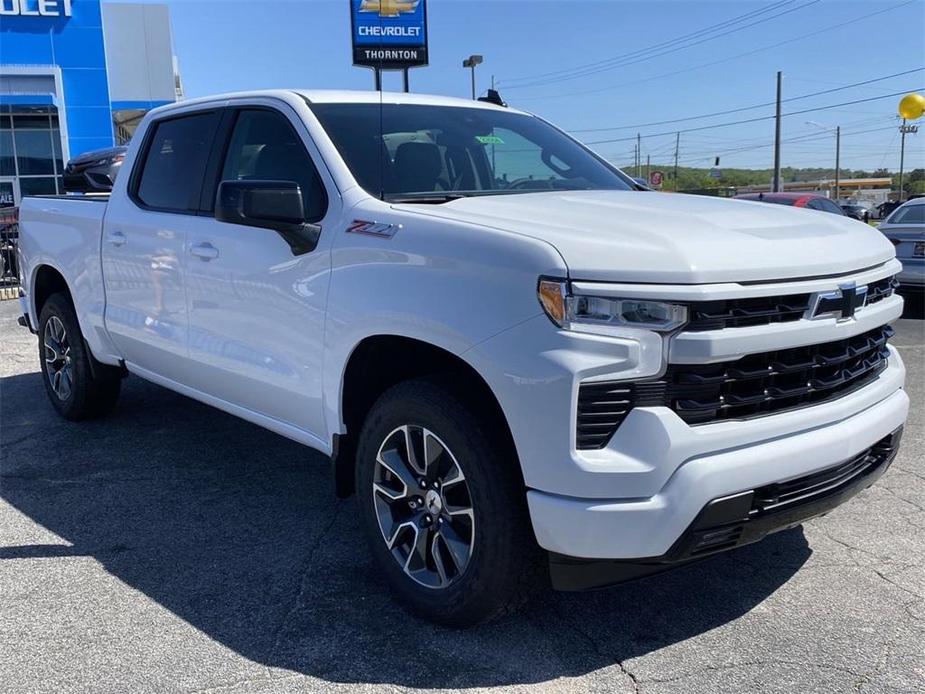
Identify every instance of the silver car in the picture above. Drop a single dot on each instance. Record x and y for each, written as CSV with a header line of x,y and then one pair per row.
x,y
905,227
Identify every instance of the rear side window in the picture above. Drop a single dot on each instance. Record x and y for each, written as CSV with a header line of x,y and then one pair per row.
x,y
908,214
175,162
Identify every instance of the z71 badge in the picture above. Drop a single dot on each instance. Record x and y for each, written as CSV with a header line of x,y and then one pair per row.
x,y
381,230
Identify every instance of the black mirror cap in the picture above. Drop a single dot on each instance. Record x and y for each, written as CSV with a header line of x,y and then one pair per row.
x,y
262,204
275,205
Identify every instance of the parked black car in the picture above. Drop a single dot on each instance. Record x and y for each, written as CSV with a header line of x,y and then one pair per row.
x,y
884,209
94,172
858,212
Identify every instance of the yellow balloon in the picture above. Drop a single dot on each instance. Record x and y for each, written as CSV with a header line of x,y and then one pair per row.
x,y
912,106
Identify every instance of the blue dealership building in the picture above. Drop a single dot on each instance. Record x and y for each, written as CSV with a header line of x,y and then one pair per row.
x,y
75,76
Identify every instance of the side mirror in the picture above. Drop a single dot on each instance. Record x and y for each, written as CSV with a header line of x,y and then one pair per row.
x,y
275,205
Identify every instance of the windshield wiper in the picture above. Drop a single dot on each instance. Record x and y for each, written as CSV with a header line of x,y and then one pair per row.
x,y
434,198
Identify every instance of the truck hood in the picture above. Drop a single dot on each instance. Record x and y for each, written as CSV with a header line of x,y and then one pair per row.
x,y
637,236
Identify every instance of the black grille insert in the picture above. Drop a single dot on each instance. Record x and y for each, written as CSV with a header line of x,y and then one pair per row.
x,y
601,408
764,310
760,384
755,385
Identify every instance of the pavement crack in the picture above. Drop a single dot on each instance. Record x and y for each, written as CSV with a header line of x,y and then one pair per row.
x,y
592,644
303,576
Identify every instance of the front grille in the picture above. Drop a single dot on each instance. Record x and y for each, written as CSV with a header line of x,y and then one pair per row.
x,y
760,384
755,385
764,310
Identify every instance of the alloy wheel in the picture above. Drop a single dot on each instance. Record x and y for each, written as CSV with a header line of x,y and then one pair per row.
x,y
59,368
424,507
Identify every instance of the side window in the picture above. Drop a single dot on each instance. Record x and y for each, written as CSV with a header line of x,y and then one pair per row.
x,y
264,146
175,162
832,207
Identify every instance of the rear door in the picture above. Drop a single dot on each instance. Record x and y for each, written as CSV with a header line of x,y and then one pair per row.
x,y
145,241
257,310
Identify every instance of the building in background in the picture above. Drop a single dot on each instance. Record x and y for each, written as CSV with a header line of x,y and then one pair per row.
x,y
75,76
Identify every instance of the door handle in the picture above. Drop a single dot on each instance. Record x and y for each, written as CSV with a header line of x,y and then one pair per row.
x,y
205,251
116,238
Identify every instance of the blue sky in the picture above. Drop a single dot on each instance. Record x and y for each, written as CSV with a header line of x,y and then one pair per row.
x,y
228,45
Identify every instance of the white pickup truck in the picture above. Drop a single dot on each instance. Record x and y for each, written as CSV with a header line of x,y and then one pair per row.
x,y
518,361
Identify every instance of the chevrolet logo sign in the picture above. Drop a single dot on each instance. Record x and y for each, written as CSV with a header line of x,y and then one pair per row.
x,y
389,8
841,303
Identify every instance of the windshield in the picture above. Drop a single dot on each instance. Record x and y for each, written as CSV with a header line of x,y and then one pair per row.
x,y
441,152
908,214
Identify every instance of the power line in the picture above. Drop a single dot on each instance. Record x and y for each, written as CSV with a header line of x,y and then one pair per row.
x,y
760,118
624,63
657,46
748,108
772,46
814,137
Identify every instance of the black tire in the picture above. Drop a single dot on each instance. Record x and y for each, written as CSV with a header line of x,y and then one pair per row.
x,y
93,388
504,560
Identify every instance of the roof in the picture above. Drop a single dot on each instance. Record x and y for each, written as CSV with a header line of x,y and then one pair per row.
x,y
330,96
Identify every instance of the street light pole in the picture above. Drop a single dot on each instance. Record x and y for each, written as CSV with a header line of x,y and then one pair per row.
x,y
902,156
470,63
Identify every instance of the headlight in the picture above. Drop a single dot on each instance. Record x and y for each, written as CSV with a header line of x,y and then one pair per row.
x,y
598,314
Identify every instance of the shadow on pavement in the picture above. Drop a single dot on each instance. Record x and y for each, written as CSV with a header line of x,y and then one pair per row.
x,y
236,531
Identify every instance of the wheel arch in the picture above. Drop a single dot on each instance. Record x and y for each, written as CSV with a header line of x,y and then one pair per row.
x,y
47,280
364,379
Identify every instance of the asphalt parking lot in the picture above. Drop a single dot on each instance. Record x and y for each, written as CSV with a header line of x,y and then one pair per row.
x,y
173,548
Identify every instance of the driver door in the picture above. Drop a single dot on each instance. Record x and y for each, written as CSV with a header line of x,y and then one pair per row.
x,y
256,310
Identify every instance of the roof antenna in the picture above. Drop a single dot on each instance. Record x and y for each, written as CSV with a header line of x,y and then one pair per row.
x,y
493,97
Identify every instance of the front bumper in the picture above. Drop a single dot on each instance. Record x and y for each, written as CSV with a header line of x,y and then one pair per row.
x,y
650,525
740,519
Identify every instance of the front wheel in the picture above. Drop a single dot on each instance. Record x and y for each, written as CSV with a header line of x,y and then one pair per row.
x,y
443,505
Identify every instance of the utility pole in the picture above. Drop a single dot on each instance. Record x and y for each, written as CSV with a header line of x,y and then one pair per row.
x,y
677,145
837,157
638,154
776,186
648,169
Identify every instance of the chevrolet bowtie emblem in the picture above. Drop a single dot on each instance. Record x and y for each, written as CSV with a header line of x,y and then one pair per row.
x,y
841,303
389,8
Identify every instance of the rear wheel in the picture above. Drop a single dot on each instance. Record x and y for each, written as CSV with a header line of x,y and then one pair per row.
x,y
443,506
78,386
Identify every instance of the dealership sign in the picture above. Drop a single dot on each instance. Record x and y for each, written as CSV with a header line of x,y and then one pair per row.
x,y
35,8
6,194
389,34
